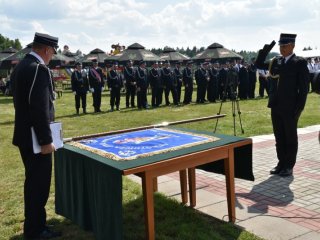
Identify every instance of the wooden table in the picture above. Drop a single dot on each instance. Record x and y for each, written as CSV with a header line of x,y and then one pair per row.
x,y
150,172
88,187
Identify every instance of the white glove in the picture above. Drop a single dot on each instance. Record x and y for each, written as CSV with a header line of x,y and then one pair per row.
x,y
92,90
102,89
74,93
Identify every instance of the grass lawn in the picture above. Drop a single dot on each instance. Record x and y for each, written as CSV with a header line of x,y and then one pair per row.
x,y
173,220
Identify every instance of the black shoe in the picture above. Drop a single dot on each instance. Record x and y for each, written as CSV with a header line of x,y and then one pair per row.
x,y
45,234
275,170
286,172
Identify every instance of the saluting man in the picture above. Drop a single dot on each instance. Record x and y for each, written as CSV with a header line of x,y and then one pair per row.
x,y
80,87
96,81
287,99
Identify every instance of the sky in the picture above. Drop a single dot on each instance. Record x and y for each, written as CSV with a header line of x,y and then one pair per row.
x,y
239,25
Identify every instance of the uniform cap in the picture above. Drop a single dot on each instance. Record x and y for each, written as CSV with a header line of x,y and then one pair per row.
x,y
47,40
286,38
142,62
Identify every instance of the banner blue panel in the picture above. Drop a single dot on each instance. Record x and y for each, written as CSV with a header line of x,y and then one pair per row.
x,y
148,142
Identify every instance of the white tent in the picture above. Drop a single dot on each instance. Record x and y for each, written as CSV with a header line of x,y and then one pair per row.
x,y
309,53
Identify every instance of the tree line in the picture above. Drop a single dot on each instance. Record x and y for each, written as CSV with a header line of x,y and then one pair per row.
x,y
190,52
6,43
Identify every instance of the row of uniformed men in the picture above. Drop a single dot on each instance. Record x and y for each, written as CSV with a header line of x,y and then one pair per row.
x,y
215,81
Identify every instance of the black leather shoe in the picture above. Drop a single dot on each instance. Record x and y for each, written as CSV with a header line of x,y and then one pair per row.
x,y
286,172
275,170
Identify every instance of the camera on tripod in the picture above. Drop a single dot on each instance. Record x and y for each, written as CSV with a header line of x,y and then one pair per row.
x,y
230,90
233,94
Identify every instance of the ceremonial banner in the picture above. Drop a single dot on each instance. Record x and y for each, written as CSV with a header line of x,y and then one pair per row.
x,y
132,145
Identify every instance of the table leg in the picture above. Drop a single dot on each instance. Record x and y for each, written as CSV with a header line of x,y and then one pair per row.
x,y
183,186
147,187
155,184
192,186
229,172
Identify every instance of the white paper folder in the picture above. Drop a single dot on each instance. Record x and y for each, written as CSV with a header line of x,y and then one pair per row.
x,y
57,137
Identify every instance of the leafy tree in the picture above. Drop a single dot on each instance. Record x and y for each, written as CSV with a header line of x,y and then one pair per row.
x,y
6,43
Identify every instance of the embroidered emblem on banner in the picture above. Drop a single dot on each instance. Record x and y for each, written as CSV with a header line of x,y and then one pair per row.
x,y
144,143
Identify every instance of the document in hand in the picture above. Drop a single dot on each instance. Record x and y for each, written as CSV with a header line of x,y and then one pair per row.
x,y
57,137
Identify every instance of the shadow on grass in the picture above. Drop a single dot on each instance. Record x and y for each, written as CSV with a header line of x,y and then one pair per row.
x,y
173,221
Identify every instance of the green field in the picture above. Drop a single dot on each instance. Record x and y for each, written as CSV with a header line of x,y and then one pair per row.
x,y
173,220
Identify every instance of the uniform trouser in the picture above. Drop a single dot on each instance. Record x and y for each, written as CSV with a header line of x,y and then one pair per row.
x,y
38,169
188,94
263,86
243,90
173,91
96,95
130,94
212,91
159,95
141,98
201,92
251,88
115,97
154,97
83,97
311,87
178,92
285,132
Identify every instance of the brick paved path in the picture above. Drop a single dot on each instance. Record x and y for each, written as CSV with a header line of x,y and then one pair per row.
x,y
271,207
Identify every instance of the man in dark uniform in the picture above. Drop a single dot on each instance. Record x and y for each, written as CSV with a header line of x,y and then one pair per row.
x,y
155,83
222,81
169,83
252,70
202,79
212,89
287,99
96,81
80,87
178,80
243,81
33,102
115,83
187,78
131,85
142,85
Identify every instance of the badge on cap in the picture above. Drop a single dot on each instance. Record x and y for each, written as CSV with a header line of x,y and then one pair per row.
x,y
286,38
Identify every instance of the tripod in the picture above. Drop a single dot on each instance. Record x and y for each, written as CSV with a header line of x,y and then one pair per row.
x,y
235,105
